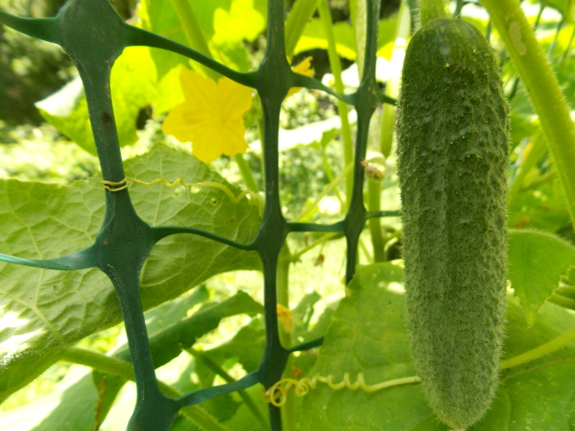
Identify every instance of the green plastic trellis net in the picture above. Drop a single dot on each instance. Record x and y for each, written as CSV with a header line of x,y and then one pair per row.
x,y
94,36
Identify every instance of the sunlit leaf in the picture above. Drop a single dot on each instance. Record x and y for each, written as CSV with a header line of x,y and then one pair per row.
x,y
44,311
537,260
368,335
133,84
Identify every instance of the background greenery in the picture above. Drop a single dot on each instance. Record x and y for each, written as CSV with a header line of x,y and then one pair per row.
x,y
49,186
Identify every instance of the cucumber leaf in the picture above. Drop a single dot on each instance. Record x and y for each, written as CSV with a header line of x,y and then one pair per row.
x,y
133,84
368,335
537,260
43,311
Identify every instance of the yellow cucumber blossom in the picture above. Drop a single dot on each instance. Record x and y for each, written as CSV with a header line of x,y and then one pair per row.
x,y
211,118
304,68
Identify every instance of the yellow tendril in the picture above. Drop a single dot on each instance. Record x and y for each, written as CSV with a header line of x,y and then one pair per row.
x,y
116,186
277,393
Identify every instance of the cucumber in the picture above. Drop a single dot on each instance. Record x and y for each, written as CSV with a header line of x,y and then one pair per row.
x,y
453,132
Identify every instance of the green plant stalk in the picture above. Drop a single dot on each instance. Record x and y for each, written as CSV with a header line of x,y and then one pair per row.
x,y
394,81
198,42
388,126
568,49
374,204
296,255
123,369
542,86
325,191
296,23
335,65
246,172
431,9
195,36
537,151
562,301
208,362
330,177
358,12
289,410
458,8
553,345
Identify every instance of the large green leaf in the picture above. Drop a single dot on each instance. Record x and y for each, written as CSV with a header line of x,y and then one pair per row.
x,y
44,310
368,335
60,409
133,84
537,260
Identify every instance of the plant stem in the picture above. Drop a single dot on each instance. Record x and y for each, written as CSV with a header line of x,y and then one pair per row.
x,y
123,369
335,65
458,8
553,345
394,81
562,301
358,14
330,177
246,172
296,23
195,36
208,362
542,86
325,191
374,204
431,9
530,158
289,411
295,256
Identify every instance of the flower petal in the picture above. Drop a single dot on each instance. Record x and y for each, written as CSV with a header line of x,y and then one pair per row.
x,y
235,98
211,117
197,89
304,68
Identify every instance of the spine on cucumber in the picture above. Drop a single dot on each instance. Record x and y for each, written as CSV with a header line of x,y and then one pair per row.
x,y
453,148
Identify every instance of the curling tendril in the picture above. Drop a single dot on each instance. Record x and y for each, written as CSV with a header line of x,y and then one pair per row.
x,y
276,394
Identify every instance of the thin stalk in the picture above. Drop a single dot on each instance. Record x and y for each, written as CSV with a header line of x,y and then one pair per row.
x,y
374,204
296,255
566,53
458,8
550,347
531,156
431,9
365,250
297,21
358,14
394,82
330,177
542,86
554,43
335,64
289,410
207,361
325,191
562,301
123,369
195,36
246,172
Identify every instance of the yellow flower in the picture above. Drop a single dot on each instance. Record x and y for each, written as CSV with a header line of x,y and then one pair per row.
x,y
304,68
211,118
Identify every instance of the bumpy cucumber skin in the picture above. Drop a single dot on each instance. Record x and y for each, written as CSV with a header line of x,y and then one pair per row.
x,y
453,132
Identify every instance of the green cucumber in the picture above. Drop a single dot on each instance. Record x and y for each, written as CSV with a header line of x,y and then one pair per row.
x,y
453,132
